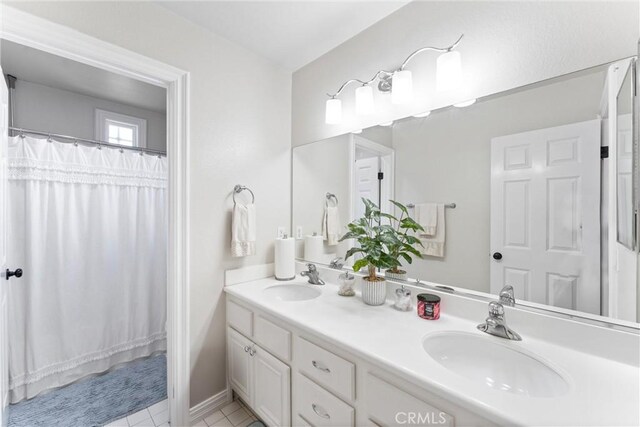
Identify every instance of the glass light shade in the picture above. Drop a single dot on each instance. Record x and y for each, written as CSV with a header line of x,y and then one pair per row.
x,y
401,87
449,71
333,111
364,100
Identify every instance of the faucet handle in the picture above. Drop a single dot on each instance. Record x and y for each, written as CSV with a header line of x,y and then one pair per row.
x,y
496,309
507,296
336,263
311,267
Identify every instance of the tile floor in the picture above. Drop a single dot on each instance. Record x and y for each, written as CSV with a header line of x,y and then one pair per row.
x,y
235,414
154,416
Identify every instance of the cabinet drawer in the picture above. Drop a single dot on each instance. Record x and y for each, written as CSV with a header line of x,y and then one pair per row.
x,y
273,338
388,405
240,318
326,368
320,407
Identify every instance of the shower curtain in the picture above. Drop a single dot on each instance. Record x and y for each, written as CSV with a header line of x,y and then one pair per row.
x,y
89,228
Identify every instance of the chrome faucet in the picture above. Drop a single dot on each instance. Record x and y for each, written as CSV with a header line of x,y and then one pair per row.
x,y
313,274
496,325
507,296
336,263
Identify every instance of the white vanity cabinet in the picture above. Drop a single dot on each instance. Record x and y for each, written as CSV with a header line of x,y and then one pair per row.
x,y
291,377
259,378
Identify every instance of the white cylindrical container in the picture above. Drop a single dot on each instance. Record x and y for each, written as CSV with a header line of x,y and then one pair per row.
x,y
374,293
313,249
285,259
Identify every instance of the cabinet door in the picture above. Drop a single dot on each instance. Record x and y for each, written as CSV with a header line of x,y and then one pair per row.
x,y
271,389
240,364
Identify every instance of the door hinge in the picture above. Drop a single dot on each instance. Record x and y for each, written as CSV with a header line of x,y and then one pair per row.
x,y
380,175
604,152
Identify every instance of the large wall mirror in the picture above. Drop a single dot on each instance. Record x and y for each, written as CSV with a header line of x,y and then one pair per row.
x,y
525,188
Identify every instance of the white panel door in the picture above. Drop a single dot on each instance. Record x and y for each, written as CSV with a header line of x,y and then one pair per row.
x,y
271,389
366,183
240,364
545,215
4,344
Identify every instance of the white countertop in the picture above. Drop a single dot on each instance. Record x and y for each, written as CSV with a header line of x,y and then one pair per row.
x,y
602,392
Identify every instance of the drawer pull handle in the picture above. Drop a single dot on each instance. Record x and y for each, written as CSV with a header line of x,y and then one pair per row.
x,y
319,410
246,348
320,367
252,351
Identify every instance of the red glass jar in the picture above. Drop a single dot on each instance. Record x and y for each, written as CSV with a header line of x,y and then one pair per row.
x,y
428,306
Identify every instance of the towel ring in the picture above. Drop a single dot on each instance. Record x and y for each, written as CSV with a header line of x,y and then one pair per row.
x,y
330,196
239,189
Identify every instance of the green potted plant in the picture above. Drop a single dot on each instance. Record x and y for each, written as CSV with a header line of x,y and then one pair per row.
x,y
382,240
404,246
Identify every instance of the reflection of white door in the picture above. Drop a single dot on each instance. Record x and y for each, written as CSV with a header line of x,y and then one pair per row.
x,y
545,215
366,185
4,344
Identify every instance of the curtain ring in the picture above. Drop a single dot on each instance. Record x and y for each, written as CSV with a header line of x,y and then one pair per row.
x,y
49,138
22,135
142,153
122,150
75,142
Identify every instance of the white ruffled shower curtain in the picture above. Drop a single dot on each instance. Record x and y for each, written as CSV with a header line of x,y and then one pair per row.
x,y
89,228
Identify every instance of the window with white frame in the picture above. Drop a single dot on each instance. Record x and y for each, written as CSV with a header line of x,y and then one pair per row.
x,y
121,129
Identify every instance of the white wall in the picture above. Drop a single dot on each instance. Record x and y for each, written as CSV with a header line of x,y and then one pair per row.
x,y
240,129
506,45
40,107
446,158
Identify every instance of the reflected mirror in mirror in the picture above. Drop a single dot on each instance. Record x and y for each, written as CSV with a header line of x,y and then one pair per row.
x,y
512,189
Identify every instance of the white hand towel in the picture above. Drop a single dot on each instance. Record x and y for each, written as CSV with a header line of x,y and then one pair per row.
x,y
427,217
331,225
434,245
243,230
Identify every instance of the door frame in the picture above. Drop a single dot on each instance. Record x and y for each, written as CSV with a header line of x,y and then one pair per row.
x,y
32,31
388,161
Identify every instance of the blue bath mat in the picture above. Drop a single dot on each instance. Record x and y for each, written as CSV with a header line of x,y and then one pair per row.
x,y
96,401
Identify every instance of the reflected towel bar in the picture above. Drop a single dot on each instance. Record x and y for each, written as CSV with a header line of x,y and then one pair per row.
x,y
448,205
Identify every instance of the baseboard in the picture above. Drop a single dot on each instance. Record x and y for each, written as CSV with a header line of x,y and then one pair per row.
x,y
209,406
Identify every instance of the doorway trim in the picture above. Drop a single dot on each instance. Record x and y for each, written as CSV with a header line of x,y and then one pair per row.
x,y
388,161
35,32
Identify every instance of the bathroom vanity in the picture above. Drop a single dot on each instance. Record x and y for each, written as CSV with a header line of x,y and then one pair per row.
x,y
299,354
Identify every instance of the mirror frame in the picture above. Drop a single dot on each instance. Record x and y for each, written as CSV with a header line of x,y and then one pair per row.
x,y
630,73
592,319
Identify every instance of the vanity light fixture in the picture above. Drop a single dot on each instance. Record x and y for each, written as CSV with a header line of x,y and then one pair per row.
x,y
421,115
333,111
465,103
448,71
399,82
401,87
364,100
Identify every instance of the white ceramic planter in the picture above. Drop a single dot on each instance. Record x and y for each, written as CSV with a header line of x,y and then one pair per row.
x,y
395,276
374,293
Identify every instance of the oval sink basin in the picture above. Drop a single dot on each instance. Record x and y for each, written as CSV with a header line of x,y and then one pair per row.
x,y
482,360
293,292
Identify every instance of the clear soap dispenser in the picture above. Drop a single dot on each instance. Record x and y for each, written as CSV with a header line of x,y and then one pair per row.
x,y
403,299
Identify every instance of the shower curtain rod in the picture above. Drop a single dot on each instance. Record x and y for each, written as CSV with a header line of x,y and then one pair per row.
x,y
74,139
